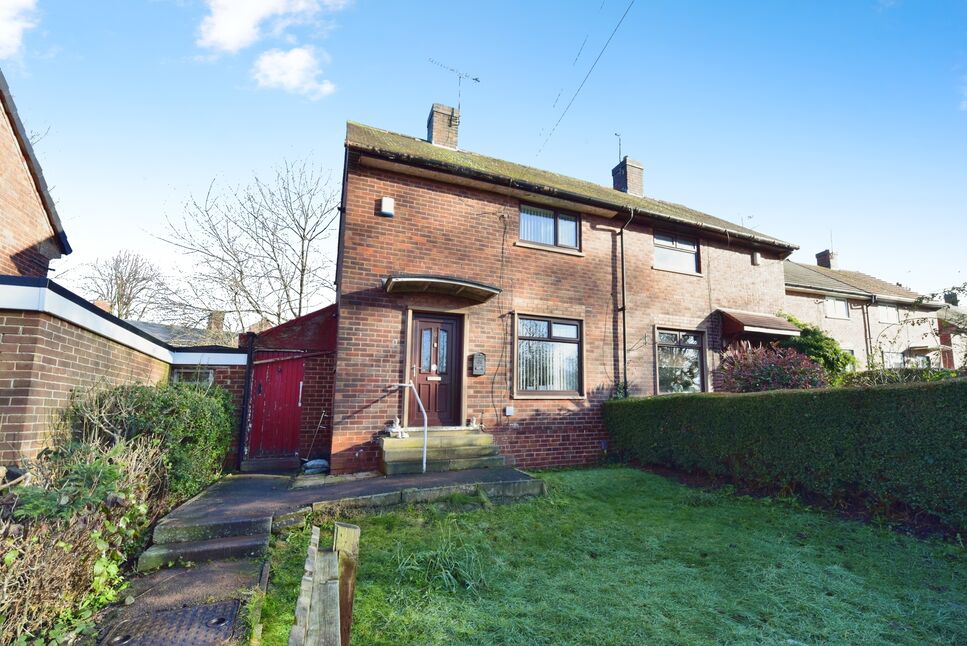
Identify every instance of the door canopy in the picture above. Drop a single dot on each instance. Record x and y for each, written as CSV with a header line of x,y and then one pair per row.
x,y
448,285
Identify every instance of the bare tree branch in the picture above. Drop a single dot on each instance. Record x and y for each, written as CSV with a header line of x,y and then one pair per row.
x,y
130,283
256,252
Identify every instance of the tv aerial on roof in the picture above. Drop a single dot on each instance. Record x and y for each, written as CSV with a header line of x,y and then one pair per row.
x,y
460,76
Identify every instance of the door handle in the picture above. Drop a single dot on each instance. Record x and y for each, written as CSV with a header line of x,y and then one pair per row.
x,y
300,393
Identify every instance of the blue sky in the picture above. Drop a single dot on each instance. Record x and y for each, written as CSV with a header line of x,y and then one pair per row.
x,y
804,120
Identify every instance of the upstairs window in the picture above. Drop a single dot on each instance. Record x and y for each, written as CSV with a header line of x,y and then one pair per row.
x,y
888,314
548,356
551,228
676,253
837,308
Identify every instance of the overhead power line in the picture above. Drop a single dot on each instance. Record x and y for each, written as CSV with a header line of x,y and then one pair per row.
x,y
586,77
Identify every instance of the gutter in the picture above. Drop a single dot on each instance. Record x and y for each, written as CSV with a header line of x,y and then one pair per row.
x,y
421,162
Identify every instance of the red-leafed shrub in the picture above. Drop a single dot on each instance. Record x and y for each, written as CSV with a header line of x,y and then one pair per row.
x,y
747,369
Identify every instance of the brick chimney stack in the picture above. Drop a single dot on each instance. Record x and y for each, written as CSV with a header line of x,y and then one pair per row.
x,y
828,259
216,321
951,298
629,177
102,304
442,125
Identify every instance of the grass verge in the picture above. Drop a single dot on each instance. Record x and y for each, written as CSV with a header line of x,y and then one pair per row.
x,y
620,556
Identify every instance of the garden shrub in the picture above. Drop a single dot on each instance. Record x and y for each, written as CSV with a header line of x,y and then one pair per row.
x,y
193,424
120,458
900,444
746,368
883,376
821,348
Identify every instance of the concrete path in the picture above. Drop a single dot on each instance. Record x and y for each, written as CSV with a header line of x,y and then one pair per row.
x,y
224,531
250,496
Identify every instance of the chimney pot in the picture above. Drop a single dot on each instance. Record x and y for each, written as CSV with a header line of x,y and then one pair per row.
x,y
828,259
951,298
442,125
629,177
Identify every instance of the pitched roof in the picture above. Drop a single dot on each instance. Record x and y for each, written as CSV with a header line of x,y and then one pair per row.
x,y
411,150
179,336
809,276
846,281
6,100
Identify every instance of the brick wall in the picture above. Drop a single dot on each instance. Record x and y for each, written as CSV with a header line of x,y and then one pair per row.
x,y
315,432
851,332
42,360
445,229
26,238
232,379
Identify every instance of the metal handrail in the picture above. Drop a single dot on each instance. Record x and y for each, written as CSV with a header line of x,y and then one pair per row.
x,y
422,410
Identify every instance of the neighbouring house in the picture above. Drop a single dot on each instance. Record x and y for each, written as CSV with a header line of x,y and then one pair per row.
x,y
31,234
952,326
52,341
516,300
882,324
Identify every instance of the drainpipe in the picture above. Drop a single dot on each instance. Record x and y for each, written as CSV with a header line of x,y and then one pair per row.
x,y
868,333
624,308
246,398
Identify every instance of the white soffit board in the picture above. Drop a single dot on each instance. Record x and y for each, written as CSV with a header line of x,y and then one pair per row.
x,y
40,299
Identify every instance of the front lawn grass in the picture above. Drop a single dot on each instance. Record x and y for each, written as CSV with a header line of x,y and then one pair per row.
x,y
620,556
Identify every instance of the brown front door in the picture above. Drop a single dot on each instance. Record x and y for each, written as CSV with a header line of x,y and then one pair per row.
x,y
435,370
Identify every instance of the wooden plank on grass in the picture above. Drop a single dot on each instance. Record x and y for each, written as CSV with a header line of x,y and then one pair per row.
x,y
345,543
324,604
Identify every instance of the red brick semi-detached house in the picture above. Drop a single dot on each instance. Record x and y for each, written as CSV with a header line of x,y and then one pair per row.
x,y
515,300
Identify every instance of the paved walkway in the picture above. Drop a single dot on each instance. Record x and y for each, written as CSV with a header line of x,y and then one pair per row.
x,y
244,496
244,504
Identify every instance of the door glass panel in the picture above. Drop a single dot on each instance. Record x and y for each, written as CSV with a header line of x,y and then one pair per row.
x,y
426,347
442,356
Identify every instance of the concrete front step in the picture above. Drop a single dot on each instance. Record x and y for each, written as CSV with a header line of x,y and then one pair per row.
x,y
196,551
446,453
453,464
437,440
174,530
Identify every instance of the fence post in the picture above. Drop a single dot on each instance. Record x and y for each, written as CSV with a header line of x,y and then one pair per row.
x,y
324,605
345,543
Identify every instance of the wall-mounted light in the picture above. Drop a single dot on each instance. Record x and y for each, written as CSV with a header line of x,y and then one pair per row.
x,y
387,207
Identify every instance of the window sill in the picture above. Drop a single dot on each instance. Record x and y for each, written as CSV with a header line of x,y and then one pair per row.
x,y
838,318
696,274
561,397
544,247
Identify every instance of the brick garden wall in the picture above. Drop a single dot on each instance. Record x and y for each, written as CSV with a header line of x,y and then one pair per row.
x,y
232,379
444,229
42,360
26,238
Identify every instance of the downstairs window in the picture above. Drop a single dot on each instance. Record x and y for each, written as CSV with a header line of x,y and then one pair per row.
x,y
548,356
680,364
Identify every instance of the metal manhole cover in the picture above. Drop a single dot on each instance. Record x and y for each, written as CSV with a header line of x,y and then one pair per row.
x,y
206,625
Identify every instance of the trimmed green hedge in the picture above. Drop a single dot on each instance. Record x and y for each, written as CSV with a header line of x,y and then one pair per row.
x,y
904,443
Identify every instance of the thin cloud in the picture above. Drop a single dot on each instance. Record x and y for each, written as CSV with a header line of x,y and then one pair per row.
x,y
296,70
233,25
16,17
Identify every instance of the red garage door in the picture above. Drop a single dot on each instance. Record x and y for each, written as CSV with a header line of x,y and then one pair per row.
x,y
276,405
